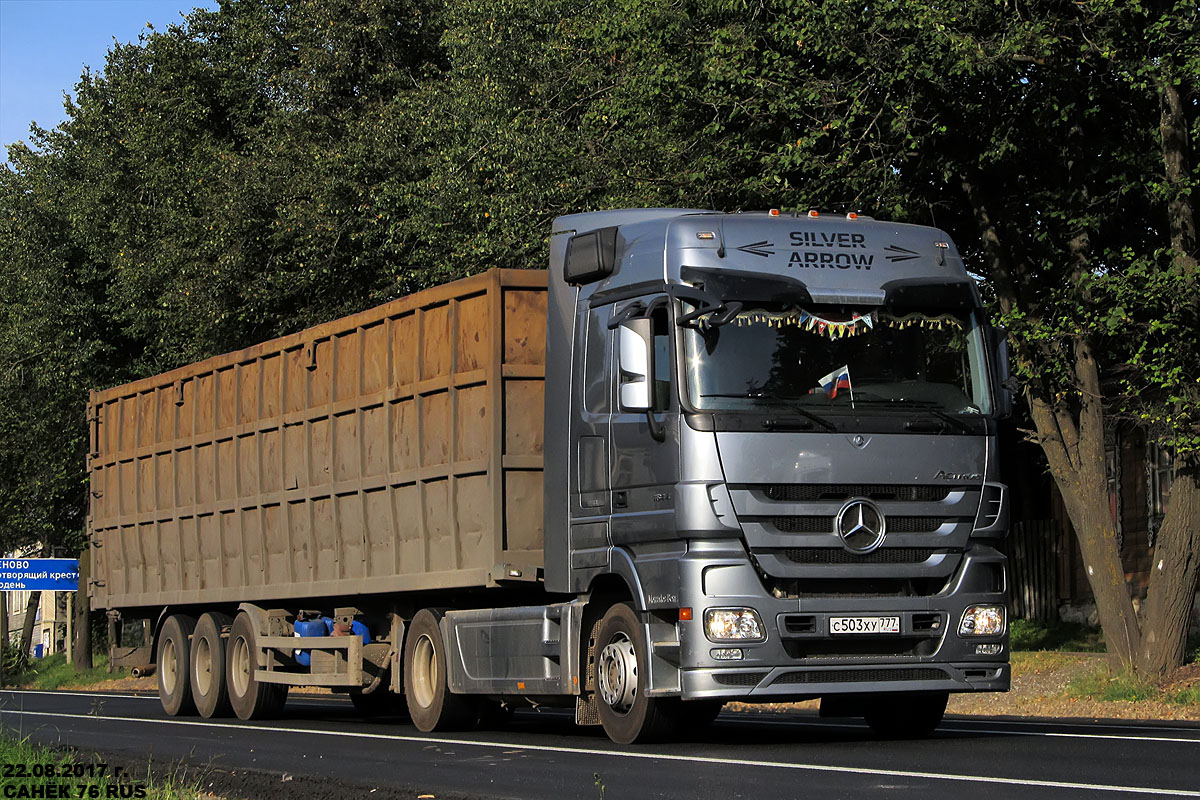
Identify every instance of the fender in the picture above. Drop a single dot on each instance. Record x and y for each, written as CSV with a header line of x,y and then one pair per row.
x,y
657,568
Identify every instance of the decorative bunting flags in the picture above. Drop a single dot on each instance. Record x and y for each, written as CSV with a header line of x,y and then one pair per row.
x,y
855,325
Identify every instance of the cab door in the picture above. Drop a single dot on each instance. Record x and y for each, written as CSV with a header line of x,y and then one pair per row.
x,y
644,446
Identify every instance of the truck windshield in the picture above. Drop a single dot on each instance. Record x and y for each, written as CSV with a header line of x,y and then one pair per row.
x,y
836,358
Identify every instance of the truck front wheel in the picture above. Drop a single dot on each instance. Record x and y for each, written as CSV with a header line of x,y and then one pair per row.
x,y
622,653
250,698
174,665
431,704
906,716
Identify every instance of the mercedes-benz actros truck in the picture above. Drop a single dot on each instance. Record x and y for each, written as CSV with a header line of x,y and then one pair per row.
x,y
704,457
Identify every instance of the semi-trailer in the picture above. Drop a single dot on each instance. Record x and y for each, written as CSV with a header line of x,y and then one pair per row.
x,y
703,457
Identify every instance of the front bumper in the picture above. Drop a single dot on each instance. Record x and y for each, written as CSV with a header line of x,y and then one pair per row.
x,y
800,658
795,683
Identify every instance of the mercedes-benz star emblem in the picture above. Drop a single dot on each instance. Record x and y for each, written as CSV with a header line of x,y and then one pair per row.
x,y
861,525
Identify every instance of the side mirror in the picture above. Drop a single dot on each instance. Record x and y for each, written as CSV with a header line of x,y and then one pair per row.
x,y
636,357
1004,382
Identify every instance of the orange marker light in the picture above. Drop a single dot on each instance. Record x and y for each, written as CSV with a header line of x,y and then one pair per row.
x,y
852,215
520,684
813,213
774,212
685,614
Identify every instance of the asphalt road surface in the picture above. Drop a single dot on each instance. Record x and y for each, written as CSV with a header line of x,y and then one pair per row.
x,y
543,755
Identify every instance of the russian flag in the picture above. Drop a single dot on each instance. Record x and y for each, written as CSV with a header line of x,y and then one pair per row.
x,y
838,379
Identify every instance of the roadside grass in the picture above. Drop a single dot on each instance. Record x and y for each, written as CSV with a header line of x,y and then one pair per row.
x,y
1070,636
53,672
1109,686
1039,647
80,776
1024,661
1103,684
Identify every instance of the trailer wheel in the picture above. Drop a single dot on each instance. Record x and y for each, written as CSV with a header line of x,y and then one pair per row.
x,y
249,698
431,704
209,683
174,669
627,714
906,716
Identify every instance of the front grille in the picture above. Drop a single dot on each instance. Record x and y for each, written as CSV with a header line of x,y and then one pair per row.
x,y
852,675
825,524
807,493
914,524
739,678
803,524
830,555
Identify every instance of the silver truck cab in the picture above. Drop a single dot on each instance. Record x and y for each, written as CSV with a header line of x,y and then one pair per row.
x,y
781,440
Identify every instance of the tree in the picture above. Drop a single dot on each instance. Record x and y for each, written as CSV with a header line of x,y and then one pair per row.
x,y
1030,129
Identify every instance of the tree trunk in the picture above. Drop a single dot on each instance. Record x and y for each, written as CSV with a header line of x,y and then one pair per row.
x,y
1074,446
1173,138
81,654
30,617
1173,580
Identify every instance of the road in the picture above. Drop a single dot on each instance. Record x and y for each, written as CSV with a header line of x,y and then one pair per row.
x,y
543,755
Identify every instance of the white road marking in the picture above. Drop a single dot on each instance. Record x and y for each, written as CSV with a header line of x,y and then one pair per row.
x,y
1078,722
725,762
79,694
997,731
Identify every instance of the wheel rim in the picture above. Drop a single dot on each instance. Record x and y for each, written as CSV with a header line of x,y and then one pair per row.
x,y
240,674
169,669
424,671
203,666
617,672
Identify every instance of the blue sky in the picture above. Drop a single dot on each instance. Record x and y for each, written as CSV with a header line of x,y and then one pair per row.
x,y
44,45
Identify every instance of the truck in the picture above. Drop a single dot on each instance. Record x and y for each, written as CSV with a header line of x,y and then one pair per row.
x,y
704,457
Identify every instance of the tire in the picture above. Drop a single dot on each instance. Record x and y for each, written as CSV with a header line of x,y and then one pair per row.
x,y
627,714
209,679
431,704
906,716
174,666
248,698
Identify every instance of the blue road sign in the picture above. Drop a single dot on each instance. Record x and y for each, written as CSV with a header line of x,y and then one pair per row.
x,y
39,574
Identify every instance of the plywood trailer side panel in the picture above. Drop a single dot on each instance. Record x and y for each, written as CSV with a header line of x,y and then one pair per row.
x,y
397,449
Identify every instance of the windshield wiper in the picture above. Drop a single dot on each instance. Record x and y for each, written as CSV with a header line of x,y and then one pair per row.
x,y
927,406
955,421
776,401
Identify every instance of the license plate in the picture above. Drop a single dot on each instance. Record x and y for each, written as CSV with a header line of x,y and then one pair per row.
x,y
864,624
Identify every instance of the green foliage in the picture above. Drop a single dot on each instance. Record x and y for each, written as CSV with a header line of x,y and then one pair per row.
x,y
1069,636
54,671
15,660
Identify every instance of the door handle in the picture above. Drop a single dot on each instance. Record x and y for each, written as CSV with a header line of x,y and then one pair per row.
x,y
620,500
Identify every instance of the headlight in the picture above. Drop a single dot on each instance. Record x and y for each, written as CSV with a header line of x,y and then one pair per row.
x,y
733,625
982,621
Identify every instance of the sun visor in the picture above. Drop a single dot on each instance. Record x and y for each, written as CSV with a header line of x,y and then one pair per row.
x,y
744,285
923,293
